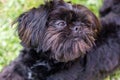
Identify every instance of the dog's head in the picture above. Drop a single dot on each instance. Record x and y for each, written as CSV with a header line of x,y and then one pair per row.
x,y
67,31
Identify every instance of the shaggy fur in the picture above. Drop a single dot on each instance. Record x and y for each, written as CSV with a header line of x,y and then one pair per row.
x,y
104,58
62,41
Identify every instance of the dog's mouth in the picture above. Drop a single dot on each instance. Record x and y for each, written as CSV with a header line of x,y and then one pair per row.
x,y
65,49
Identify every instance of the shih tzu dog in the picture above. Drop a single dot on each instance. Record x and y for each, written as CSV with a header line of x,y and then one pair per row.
x,y
62,41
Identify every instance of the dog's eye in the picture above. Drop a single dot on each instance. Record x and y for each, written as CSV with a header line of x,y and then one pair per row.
x,y
60,24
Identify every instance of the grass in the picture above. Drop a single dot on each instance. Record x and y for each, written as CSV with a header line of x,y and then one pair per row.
x,y
9,41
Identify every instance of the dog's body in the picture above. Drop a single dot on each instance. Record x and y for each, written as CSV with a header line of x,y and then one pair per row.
x,y
55,49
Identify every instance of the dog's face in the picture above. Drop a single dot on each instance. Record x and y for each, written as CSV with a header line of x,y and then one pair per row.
x,y
67,31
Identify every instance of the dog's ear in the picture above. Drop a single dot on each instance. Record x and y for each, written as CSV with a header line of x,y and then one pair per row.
x,y
32,24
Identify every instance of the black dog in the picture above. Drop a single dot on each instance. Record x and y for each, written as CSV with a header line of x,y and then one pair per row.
x,y
104,58
63,41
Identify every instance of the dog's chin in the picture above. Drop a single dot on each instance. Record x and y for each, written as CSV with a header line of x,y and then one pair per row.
x,y
64,49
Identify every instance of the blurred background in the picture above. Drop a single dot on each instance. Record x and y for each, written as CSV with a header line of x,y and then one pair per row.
x,y
9,41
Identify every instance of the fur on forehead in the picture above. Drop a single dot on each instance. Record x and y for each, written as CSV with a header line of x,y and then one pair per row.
x,y
72,13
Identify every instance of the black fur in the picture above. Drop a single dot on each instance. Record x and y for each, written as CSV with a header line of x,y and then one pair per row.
x,y
44,59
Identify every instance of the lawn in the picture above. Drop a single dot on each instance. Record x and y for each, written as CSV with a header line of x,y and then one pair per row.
x,y
9,41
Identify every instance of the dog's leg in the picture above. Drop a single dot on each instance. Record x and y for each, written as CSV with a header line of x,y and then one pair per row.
x,y
15,71
19,68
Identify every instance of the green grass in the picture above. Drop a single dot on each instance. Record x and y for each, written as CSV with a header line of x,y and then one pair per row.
x,y
9,41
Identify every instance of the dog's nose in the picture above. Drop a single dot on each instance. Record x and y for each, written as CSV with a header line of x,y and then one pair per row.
x,y
76,29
